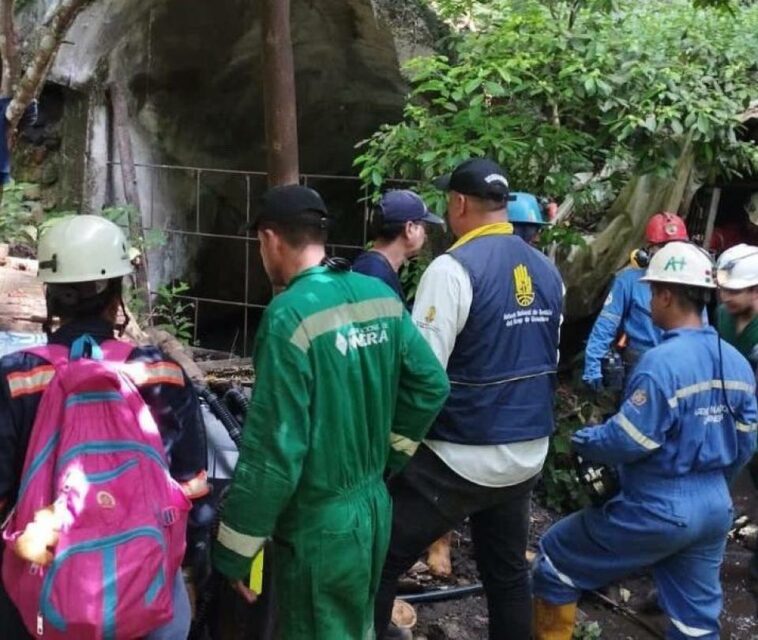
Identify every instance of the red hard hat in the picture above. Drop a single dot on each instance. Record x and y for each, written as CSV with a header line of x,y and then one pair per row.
x,y
664,227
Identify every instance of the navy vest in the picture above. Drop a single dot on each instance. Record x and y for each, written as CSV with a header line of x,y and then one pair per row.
x,y
503,367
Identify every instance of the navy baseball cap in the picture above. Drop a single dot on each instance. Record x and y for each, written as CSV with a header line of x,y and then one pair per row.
x,y
400,206
287,201
478,177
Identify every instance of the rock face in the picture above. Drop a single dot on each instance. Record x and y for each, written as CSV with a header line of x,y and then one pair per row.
x,y
193,73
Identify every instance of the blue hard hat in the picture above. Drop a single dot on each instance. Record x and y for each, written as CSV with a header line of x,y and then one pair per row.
x,y
523,208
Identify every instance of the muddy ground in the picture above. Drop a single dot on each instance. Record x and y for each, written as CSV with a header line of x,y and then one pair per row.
x,y
467,619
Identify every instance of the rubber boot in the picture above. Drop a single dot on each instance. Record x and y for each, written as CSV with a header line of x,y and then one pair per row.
x,y
553,621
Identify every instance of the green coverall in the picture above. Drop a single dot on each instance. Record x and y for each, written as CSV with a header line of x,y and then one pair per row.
x,y
345,385
746,341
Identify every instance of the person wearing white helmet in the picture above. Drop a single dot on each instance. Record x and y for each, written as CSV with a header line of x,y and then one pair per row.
x,y
82,262
686,427
737,317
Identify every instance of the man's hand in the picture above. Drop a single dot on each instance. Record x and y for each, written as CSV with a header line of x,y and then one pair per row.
x,y
247,594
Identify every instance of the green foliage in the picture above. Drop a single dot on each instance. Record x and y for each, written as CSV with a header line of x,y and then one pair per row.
x,y
16,219
172,313
20,225
410,275
562,235
551,92
588,631
560,487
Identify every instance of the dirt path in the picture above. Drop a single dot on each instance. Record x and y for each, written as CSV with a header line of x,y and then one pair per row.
x,y
467,619
21,296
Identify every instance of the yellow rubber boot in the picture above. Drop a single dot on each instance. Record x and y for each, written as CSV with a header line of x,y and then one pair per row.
x,y
553,621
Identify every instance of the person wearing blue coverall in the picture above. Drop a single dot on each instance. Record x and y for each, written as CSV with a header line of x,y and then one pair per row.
x,y
688,424
627,307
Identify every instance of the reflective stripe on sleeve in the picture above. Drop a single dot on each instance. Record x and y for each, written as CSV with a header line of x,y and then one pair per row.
x,y
403,444
25,383
147,373
635,434
241,544
702,387
747,428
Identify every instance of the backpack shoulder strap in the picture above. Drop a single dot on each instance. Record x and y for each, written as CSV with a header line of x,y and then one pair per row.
x,y
117,351
55,354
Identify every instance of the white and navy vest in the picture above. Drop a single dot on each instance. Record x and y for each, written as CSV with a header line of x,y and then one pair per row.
x,y
503,367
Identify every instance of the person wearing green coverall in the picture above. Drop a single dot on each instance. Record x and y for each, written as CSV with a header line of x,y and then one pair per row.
x,y
737,319
345,385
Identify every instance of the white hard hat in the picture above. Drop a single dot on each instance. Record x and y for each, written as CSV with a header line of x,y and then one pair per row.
x,y
681,263
752,208
82,249
738,267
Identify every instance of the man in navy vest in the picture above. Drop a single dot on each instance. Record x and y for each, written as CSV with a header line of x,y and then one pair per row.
x,y
491,310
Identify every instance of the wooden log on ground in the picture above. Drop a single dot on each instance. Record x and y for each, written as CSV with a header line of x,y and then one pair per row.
x,y
176,351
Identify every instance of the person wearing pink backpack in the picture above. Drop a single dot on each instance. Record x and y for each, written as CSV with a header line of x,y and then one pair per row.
x,y
83,260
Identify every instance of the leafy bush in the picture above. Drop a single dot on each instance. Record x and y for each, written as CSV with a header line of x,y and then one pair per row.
x,y
551,92
560,488
172,313
588,631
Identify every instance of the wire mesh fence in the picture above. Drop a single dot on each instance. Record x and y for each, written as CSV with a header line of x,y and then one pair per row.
x,y
203,216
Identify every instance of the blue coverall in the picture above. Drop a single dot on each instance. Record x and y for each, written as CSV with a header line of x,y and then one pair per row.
x,y
627,308
676,444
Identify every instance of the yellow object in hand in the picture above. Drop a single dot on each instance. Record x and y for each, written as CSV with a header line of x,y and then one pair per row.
x,y
256,574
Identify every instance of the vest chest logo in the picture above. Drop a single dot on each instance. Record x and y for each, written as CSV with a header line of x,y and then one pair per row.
x,y
524,287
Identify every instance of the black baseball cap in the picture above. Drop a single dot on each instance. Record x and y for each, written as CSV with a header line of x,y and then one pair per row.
x,y
478,177
287,201
401,205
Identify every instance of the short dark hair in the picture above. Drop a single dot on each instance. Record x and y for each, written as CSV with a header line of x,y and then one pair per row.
x,y
307,227
691,298
381,230
82,300
488,205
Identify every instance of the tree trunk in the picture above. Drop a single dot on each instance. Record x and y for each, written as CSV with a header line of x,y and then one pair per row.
x,y
279,94
48,38
129,177
8,48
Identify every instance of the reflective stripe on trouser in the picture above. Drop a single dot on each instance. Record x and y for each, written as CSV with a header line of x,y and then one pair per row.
x,y
327,573
598,546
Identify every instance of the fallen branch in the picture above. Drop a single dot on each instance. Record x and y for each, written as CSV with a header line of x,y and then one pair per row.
x,y
629,613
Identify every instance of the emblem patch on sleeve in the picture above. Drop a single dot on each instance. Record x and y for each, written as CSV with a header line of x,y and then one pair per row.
x,y
639,397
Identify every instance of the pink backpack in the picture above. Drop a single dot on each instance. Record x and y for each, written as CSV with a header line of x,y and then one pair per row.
x,y
95,452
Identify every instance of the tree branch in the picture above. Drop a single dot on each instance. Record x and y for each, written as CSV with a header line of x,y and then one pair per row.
x,y
575,8
8,47
49,37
